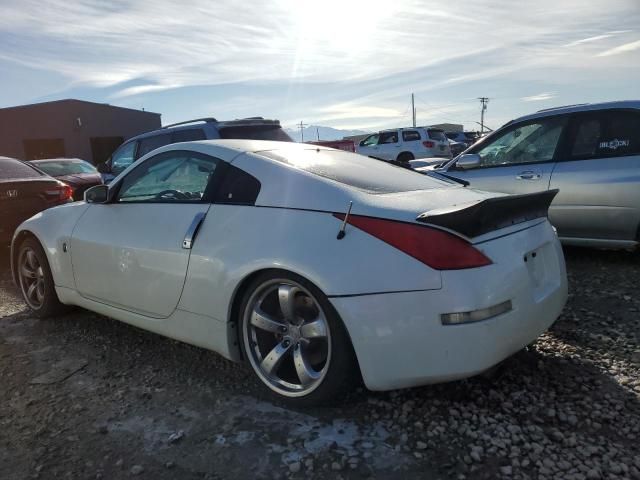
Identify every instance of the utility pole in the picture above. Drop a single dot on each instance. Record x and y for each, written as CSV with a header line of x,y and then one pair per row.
x,y
318,133
413,110
301,127
483,101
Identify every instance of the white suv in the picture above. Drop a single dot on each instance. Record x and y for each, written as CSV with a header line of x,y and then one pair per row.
x,y
405,144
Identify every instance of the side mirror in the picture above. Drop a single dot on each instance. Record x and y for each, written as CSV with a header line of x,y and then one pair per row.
x,y
103,168
361,143
97,194
469,160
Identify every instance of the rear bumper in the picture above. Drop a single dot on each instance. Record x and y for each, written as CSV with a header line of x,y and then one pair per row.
x,y
400,340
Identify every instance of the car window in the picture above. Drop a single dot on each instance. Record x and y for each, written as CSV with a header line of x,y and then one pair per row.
x,y
123,157
410,135
151,143
370,140
525,143
69,167
437,135
587,138
10,168
175,176
189,135
622,135
388,137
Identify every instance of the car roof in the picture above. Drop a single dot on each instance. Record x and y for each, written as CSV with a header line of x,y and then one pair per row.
x,y
582,107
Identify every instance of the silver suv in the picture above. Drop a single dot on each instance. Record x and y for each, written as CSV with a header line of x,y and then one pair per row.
x,y
590,152
254,128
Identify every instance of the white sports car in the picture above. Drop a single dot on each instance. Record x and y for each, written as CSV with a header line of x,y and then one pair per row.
x,y
316,266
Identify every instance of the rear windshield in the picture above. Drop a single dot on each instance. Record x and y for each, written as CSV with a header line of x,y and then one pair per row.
x,y
10,168
69,167
256,132
437,135
358,171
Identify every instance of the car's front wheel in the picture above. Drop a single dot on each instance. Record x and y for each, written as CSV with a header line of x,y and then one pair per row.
x,y
36,281
294,340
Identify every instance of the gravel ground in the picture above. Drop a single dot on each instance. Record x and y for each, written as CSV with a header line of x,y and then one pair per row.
x,y
83,396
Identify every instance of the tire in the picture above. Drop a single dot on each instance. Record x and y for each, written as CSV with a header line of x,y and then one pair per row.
x,y
295,342
405,157
35,280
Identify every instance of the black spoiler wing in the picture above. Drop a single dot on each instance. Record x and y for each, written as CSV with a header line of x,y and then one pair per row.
x,y
491,214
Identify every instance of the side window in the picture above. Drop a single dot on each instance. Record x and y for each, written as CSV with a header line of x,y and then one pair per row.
x,y
588,132
189,135
525,143
238,187
175,176
123,157
370,140
151,143
622,134
410,135
388,137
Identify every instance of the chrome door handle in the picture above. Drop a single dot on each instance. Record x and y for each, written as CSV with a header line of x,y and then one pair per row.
x,y
528,175
192,231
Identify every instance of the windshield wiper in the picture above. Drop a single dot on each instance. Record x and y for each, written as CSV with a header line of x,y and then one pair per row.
x,y
435,174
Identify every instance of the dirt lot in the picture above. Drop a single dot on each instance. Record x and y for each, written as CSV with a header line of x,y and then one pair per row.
x,y
84,396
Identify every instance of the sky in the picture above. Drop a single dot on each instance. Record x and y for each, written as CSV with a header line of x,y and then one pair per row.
x,y
348,64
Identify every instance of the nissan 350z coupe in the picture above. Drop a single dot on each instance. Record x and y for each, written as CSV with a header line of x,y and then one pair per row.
x,y
316,266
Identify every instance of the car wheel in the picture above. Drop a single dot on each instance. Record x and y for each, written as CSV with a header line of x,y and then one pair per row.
x,y
36,281
405,157
295,342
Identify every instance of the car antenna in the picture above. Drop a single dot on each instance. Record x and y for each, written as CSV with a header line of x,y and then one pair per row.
x,y
341,233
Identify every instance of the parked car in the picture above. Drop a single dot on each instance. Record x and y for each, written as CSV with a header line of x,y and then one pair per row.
x,y
255,128
25,191
468,138
346,145
76,173
590,152
457,148
404,144
372,270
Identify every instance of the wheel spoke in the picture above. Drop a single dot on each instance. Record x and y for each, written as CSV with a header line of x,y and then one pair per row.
x,y
263,321
31,290
32,260
306,374
271,362
40,291
287,297
314,329
26,272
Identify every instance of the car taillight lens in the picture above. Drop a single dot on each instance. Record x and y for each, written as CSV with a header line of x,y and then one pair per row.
x,y
435,248
60,192
429,144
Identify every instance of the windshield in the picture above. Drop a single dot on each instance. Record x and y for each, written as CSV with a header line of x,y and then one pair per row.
x,y
66,167
358,171
437,135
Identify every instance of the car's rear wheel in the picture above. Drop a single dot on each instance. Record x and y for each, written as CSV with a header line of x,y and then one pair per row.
x,y
294,341
36,281
405,157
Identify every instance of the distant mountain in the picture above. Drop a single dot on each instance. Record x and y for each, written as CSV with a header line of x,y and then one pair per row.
x,y
326,133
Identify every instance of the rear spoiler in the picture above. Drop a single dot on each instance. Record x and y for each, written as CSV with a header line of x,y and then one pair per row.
x,y
491,214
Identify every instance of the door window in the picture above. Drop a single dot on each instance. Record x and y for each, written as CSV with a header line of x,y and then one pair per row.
x,y
525,143
622,136
388,137
370,140
151,143
587,138
410,135
123,157
188,135
176,177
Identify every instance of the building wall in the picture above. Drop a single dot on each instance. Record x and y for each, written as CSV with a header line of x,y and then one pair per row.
x,y
75,122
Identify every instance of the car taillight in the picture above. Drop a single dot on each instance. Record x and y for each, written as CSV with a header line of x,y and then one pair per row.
x,y
429,144
60,192
436,248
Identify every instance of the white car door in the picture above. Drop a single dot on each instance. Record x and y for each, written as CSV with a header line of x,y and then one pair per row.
x,y
369,146
389,145
130,252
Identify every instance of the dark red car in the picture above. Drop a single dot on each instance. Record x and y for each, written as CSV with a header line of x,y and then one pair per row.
x,y
78,174
25,191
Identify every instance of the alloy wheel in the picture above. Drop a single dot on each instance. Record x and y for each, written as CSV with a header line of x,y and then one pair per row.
x,y
31,275
287,337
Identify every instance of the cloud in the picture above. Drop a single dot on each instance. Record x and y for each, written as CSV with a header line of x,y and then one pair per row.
x,y
539,97
627,47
